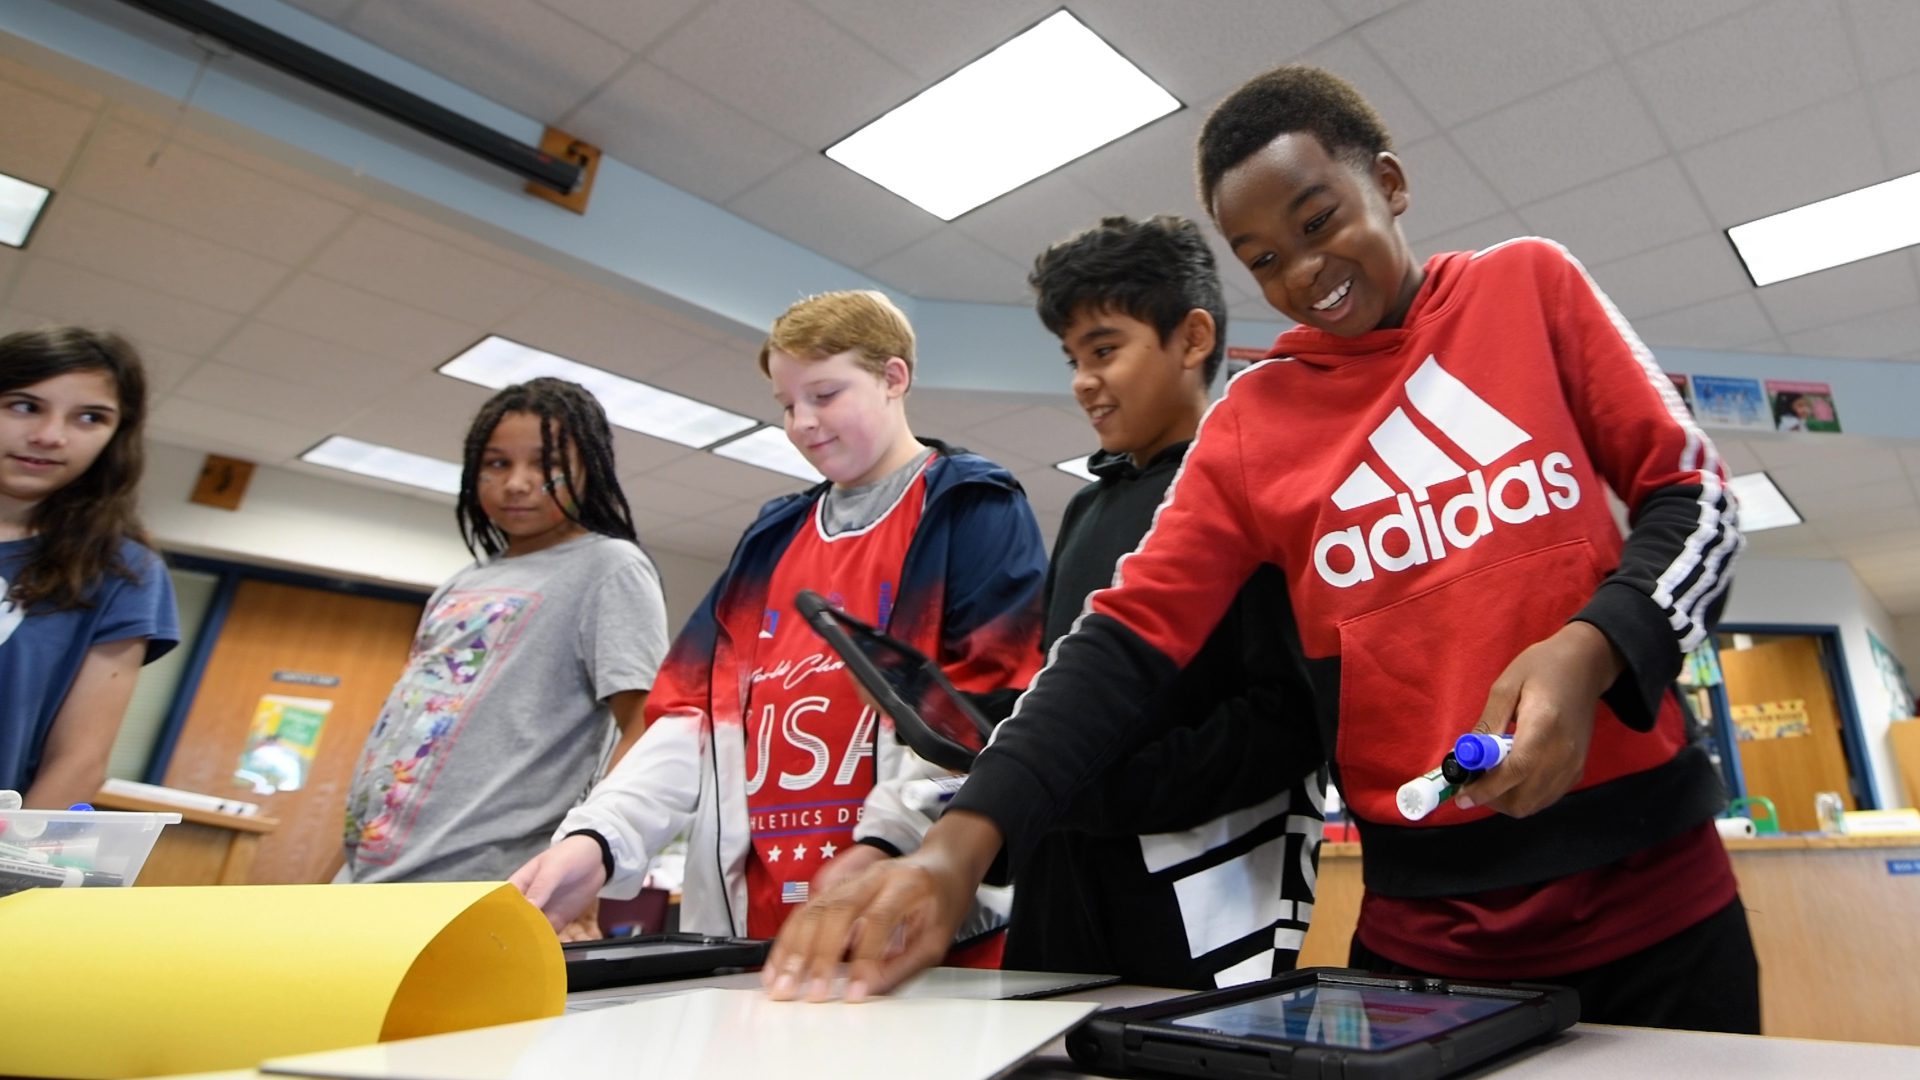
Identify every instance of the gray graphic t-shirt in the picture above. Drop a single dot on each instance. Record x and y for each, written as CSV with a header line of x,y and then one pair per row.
x,y
499,723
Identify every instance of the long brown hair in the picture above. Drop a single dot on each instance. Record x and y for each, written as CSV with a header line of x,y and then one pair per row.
x,y
80,527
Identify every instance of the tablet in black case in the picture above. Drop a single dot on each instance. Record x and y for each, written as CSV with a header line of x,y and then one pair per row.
x,y
646,958
1325,1023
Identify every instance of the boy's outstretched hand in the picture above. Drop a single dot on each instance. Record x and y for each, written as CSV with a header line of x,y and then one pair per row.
x,y
562,882
1547,698
888,922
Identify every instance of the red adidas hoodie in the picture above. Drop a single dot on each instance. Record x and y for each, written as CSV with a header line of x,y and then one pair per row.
x,y
1435,497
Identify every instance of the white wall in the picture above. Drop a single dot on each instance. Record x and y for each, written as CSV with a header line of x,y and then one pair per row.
x,y
300,521
1822,592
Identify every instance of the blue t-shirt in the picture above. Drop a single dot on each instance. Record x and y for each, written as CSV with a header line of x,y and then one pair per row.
x,y
41,650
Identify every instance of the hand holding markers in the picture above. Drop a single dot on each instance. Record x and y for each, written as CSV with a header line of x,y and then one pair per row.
x,y
1547,698
1472,754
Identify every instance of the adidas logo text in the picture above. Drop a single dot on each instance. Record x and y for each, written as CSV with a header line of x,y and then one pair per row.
x,y
1421,528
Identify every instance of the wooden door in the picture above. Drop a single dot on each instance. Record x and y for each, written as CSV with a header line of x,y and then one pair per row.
x,y
1798,752
274,634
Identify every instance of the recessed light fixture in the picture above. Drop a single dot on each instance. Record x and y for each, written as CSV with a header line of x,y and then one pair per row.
x,y
496,362
1832,232
20,206
1762,507
1041,100
386,463
1076,466
769,448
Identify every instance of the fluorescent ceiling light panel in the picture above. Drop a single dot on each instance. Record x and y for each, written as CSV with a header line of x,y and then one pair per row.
x,y
1076,467
649,410
1023,110
1832,232
1762,507
769,448
386,463
20,206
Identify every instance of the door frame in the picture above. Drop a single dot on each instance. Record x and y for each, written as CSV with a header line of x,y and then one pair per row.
x,y
230,575
1833,660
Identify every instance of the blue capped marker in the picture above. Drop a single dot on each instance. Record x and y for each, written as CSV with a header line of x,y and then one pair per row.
x,y
1478,753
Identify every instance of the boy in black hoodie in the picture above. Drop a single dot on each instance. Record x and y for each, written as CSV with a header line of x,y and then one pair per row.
x,y
1191,863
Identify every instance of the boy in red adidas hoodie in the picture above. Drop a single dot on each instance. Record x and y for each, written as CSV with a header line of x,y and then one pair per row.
x,y
1423,457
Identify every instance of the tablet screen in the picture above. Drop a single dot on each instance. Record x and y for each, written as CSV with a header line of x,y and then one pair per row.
x,y
1345,1016
616,950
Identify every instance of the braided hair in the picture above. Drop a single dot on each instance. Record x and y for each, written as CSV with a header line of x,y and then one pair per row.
x,y
568,414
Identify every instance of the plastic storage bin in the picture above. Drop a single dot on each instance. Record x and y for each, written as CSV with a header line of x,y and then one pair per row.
x,y
74,848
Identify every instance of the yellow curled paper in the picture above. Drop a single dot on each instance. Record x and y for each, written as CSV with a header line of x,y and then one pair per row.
x,y
140,982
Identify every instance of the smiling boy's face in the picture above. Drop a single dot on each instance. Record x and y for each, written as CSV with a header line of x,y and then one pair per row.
x,y
1320,234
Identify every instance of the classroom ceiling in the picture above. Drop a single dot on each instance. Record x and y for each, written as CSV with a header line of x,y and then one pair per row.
x,y
279,305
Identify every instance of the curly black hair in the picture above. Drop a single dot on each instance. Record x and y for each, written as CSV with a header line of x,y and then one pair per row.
x,y
568,412
1285,100
1156,271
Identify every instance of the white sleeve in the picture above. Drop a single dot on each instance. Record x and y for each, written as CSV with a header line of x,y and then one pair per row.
x,y
645,801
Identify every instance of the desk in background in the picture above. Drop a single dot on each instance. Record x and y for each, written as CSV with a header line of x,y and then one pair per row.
x,y
1836,929
205,847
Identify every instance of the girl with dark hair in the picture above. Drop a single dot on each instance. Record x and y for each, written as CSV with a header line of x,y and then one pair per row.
x,y
527,666
84,602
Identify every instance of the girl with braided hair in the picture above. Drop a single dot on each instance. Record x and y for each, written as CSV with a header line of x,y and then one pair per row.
x,y
531,667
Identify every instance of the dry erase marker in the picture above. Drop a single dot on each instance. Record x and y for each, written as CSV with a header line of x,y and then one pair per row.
x,y
1471,755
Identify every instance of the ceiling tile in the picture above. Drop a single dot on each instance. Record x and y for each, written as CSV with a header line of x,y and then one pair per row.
x,y
1872,337
631,26
1211,48
727,377
411,269
1895,104
1793,542
1633,25
1764,345
1537,43
1150,171
733,479
1348,57
31,78
1359,10
735,517
700,539
39,134
100,238
1043,433
1866,526
165,368
204,195
1811,155
1672,277
646,489
624,339
297,358
360,320
937,39
818,203
1858,481
68,293
1751,67
1841,293
280,162
809,79
218,429
947,414
1782,451
11,260
637,453
477,238
1579,131
1622,215
427,414
1021,223
949,265
331,10
520,56
1885,31
1444,191
1480,234
1736,454
245,391
1717,324
653,121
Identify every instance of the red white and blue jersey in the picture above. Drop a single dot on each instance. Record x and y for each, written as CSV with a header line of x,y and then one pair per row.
x,y
810,739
